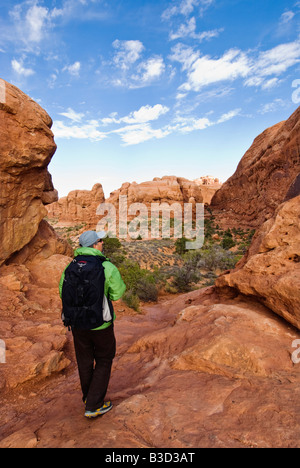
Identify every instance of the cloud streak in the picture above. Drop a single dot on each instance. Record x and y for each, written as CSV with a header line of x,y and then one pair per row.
x,y
138,126
204,70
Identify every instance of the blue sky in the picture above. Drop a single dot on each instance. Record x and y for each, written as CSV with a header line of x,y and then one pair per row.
x,y
139,89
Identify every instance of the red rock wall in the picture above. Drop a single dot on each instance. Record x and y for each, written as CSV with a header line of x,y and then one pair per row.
x,y
263,177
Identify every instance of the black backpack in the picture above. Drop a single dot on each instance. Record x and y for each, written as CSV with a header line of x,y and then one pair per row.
x,y
83,293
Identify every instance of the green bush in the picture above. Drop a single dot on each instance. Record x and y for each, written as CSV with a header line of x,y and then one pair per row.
x,y
228,242
212,258
132,300
146,290
180,246
185,277
142,283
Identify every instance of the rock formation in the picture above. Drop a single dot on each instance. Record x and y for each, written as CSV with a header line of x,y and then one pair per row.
x,y
31,254
265,175
212,368
271,269
79,207
27,146
168,189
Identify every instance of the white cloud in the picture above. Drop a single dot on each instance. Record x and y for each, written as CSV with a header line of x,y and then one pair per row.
x,y
277,60
272,83
191,124
143,115
86,131
74,69
287,17
135,72
31,23
189,30
272,106
229,115
35,21
19,68
128,53
234,64
136,134
72,115
205,70
146,114
149,71
188,124
185,8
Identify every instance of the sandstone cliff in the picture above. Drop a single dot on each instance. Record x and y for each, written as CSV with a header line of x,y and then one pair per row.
x,y
265,174
270,271
27,146
79,207
168,189
31,254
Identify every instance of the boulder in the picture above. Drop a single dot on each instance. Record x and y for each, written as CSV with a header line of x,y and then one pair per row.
x,y
270,271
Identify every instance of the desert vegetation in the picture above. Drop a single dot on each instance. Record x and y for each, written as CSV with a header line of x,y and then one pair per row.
x,y
164,266
151,267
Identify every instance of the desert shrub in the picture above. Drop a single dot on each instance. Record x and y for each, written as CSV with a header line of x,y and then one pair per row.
x,y
146,290
228,241
185,277
132,300
180,246
212,258
142,283
114,251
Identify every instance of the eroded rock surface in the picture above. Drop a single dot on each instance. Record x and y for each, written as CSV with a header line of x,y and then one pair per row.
x,y
267,173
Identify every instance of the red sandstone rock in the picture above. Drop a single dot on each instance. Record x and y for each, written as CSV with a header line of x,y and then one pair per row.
x,y
168,189
263,178
32,257
80,206
192,372
271,269
27,146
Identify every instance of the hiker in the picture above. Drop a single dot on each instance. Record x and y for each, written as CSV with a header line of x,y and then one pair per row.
x,y
87,287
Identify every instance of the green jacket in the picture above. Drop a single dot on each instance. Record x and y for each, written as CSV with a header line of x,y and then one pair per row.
x,y
114,285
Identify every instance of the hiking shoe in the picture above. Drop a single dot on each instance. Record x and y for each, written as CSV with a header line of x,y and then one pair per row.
x,y
99,412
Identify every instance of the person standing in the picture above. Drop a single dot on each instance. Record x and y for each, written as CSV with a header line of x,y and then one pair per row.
x,y
87,287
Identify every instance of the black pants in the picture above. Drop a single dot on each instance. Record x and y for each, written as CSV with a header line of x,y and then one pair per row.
x,y
95,351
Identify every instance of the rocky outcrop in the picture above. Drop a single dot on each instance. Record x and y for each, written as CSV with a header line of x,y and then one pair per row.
x,y
79,207
27,146
270,271
30,324
168,189
265,175
32,257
